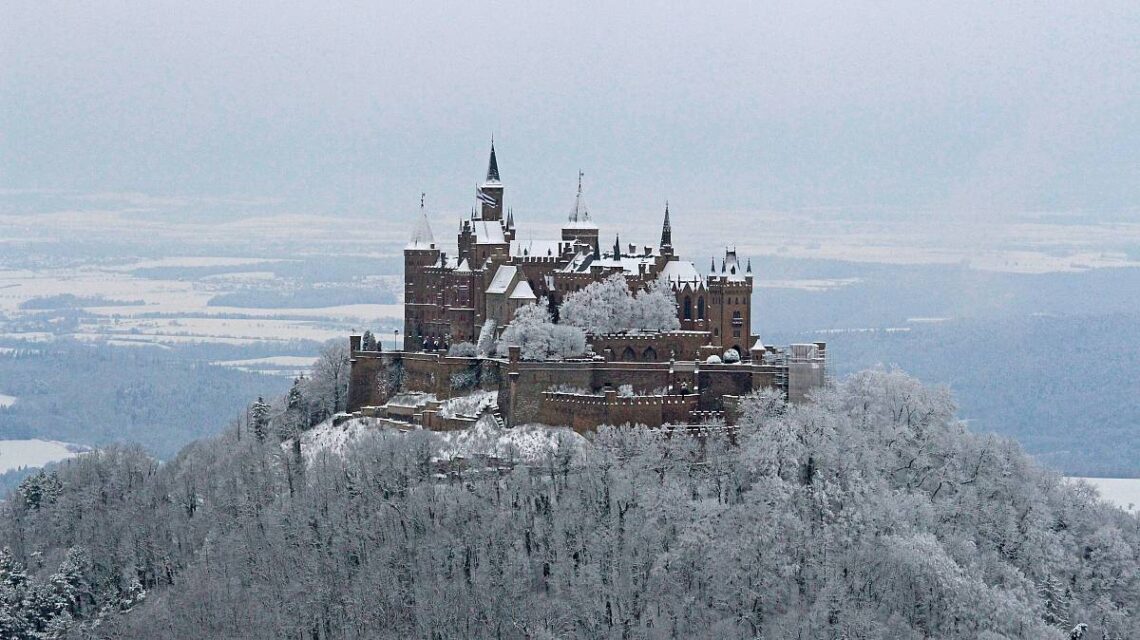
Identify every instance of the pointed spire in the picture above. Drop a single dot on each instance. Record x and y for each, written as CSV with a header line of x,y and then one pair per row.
x,y
580,212
712,265
617,246
666,230
511,218
421,236
493,164
748,269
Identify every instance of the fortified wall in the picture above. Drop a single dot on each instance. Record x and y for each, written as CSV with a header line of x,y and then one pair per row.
x,y
582,393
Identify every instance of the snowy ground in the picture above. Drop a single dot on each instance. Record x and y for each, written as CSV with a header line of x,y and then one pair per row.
x,y
15,454
527,443
1123,492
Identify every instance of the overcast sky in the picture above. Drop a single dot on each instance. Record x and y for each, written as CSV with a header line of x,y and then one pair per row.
x,y
956,108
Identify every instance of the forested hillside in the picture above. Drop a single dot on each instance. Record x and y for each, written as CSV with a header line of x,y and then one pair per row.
x,y
869,513
1063,386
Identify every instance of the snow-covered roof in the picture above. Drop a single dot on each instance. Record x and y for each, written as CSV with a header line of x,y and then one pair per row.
x,y
523,291
463,267
731,267
580,263
680,273
538,248
489,232
503,278
421,235
758,345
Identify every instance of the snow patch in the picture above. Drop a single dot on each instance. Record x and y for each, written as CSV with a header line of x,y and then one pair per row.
x,y
6,400
527,443
16,454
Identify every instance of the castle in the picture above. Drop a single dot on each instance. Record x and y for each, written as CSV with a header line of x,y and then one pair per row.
x,y
676,377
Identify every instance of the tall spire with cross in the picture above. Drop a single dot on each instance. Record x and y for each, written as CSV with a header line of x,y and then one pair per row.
x,y
666,230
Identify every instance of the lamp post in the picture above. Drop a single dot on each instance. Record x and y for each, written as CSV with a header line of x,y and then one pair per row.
x,y
396,340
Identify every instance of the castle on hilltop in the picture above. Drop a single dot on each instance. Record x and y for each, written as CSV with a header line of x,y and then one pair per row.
x,y
691,375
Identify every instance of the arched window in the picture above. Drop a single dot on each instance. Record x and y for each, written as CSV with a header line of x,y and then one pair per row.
x,y
688,308
629,355
701,307
649,355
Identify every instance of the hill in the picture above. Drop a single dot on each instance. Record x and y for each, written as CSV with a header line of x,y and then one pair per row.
x,y
871,512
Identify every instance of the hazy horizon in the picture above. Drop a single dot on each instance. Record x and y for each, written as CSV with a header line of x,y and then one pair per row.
x,y
923,113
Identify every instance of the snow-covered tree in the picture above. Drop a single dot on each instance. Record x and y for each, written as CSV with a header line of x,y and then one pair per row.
x,y
539,338
610,306
368,342
259,418
486,344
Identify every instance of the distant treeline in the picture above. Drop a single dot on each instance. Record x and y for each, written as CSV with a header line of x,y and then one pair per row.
x,y
303,298
69,301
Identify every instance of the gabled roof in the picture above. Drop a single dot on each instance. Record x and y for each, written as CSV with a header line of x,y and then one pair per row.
x,y
502,280
523,291
463,267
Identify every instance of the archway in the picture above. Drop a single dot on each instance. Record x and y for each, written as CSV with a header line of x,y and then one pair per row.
x,y
629,355
649,355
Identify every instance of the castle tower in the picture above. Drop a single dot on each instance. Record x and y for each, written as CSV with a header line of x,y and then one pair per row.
x,y
578,224
730,309
420,292
490,193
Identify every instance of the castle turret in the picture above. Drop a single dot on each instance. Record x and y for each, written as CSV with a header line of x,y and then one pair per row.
x,y
420,293
578,224
730,309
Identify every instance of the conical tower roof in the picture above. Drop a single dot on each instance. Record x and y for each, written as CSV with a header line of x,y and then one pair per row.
x,y
421,235
493,167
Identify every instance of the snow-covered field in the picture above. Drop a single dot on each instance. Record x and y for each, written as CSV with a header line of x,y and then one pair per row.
x,y
1123,492
15,454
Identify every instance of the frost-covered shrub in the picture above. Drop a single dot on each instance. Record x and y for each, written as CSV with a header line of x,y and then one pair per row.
x,y
625,391
713,359
731,356
464,379
610,307
563,387
462,350
539,338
